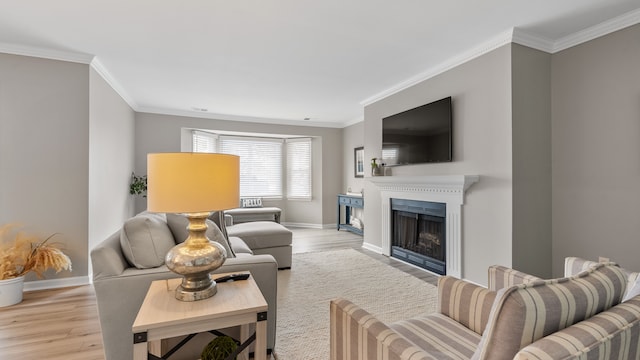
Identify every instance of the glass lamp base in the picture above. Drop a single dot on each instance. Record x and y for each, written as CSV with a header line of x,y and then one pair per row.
x,y
195,259
183,294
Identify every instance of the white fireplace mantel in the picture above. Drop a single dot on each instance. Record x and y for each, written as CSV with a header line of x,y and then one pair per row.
x,y
448,189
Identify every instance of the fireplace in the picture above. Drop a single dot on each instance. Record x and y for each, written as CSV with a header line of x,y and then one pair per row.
x,y
444,189
418,233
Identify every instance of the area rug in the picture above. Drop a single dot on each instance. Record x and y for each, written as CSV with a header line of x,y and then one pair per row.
x,y
315,278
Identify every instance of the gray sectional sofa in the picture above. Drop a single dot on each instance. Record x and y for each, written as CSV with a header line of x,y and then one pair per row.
x,y
125,264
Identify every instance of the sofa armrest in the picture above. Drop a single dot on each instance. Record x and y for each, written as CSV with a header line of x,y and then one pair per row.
x,y
501,277
612,334
466,303
107,258
356,334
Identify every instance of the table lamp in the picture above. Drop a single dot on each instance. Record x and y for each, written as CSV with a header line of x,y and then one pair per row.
x,y
194,184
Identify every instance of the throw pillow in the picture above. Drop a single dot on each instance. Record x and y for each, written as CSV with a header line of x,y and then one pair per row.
x,y
574,265
522,314
145,240
633,287
178,226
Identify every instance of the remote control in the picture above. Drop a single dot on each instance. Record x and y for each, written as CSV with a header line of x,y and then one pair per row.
x,y
232,277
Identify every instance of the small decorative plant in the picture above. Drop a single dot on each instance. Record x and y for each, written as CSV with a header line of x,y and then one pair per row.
x,y
375,167
138,185
219,348
21,254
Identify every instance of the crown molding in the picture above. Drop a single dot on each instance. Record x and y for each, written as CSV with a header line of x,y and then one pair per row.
x,y
514,35
519,36
97,65
229,117
528,39
596,31
26,50
487,46
80,58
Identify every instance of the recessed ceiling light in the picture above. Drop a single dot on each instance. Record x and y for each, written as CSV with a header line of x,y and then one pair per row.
x,y
307,119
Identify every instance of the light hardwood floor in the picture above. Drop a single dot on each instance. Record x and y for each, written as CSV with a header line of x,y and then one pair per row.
x,y
62,324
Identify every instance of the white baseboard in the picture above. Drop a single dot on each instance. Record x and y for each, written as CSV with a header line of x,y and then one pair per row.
x,y
376,249
56,283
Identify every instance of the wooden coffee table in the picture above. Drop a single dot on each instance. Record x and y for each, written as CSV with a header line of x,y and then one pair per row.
x,y
237,303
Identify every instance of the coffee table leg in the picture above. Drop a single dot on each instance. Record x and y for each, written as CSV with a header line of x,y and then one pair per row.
x,y
260,353
140,351
244,335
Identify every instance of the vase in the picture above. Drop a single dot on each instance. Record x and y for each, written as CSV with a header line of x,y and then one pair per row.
x,y
11,291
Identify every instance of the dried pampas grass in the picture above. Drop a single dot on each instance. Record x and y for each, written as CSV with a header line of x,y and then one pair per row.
x,y
21,253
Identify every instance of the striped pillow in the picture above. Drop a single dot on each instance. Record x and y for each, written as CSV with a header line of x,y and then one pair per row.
x,y
574,265
524,313
502,276
464,302
612,334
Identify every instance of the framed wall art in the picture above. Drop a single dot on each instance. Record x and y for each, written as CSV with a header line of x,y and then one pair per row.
x,y
358,161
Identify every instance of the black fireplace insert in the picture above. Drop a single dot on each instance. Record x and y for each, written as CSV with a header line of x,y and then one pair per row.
x,y
418,233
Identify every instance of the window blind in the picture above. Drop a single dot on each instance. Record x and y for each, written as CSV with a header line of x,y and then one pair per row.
x,y
299,168
204,142
260,164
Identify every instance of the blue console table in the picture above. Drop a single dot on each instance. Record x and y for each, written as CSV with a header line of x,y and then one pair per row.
x,y
349,202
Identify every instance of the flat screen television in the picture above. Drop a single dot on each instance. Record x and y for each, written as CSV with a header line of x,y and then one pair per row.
x,y
419,135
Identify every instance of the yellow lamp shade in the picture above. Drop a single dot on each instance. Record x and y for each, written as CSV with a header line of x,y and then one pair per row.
x,y
192,182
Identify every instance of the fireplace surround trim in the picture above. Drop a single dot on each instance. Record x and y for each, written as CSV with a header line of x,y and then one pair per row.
x,y
448,189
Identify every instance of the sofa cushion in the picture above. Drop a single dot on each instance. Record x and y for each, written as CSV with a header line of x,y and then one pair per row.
x,y
439,336
238,246
215,217
145,240
525,313
178,225
261,234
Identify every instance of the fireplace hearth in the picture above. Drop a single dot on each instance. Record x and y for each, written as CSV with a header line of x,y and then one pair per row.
x,y
418,233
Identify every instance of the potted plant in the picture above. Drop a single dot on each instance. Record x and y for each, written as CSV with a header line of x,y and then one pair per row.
x,y
375,167
219,348
138,185
21,254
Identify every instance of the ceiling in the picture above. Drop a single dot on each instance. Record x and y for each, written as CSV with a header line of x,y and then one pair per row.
x,y
282,61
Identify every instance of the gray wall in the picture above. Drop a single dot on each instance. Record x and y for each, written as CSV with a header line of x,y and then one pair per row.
x,y
162,133
352,137
481,91
531,140
44,152
596,150
111,127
